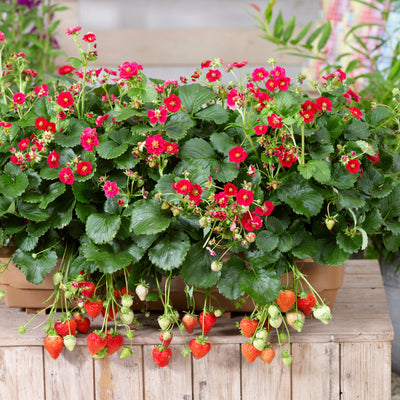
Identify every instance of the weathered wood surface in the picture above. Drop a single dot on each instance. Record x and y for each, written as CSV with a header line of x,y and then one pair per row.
x,y
345,360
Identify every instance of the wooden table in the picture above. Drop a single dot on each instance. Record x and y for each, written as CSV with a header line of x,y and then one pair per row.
x,y
348,359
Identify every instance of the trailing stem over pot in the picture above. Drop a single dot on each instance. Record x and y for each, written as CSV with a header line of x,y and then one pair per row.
x,y
167,176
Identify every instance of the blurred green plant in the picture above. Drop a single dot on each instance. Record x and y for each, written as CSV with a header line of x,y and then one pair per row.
x,y
380,65
29,26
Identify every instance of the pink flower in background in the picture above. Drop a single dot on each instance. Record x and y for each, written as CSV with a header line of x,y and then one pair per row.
x,y
66,69
173,103
65,100
356,112
158,115
2,36
213,75
52,159
237,154
127,70
42,91
259,74
155,144
75,29
83,168
89,37
323,103
110,189
245,197
19,98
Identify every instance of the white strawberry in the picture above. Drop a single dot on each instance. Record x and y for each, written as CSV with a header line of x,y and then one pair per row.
x,y
275,322
296,320
126,300
69,342
323,313
127,317
142,291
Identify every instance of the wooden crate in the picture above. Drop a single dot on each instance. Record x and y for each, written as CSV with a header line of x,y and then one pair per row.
x,y
348,359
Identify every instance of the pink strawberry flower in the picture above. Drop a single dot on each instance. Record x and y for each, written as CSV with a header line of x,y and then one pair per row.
x,y
66,176
259,74
155,144
171,148
65,100
265,210
234,99
271,84
100,119
184,186
127,70
89,139
41,123
158,115
356,112
213,75
110,189
195,193
52,159
237,154
323,103
89,37
42,91
23,144
65,70
83,168
244,197
283,83
260,129
5,124
278,72
230,189
19,98
173,103
250,221
274,121
75,29
353,165
2,36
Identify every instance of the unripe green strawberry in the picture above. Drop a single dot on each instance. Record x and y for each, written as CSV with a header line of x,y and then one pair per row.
x,y
57,278
296,319
275,322
218,312
259,344
130,332
142,291
164,322
216,266
70,342
330,223
185,352
22,329
126,300
273,311
323,313
100,354
126,352
127,317
282,337
286,358
263,334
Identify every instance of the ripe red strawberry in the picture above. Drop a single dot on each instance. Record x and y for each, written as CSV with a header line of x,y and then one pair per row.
x,y
54,344
114,341
161,355
267,355
65,328
267,325
83,325
96,341
207,320
93,308
248,326
165,337
250,352
306,303
118,293
199,347
286,300
189,321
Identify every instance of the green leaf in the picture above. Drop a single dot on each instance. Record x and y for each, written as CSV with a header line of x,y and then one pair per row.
x,y
357,130
26,243
148,218
301,34
267,241
390,205
261,259
170,251
374,184
348,243
380,113
75,62
38,228
178,124
315,34
72,135
262,285
305,245
196,269
319,170
13,187
215,113
231,274
6,205
55,190
326,34
32,212
221,141
35,269
285,243
288,32
330,252
102,228
61,211
373,221
82,191
278,25
275,225
223,171
107,259
110,149
287,104
199,150
193,96
301,196
342,178
350,199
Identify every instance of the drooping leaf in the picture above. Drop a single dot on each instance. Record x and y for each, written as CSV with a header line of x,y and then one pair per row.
x,y
193,96
231,274
13,187
170,251
32,212
178,125
102,228
215,113
35,268
267,241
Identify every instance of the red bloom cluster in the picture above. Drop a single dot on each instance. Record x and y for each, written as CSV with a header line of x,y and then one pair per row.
x,y
191,190
127,70
237,154
89,139
155,144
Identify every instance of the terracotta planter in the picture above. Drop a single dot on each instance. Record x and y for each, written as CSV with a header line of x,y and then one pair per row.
x,y
19,292
325,279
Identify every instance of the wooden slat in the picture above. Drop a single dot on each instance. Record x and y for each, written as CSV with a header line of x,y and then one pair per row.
x,y
267,382
21,373
70,376
318,377
365,371
224,382
114,378
171,382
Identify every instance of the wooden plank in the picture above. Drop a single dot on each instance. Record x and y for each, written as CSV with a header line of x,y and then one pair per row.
x,y
70,376
269,382
21,373
362,267
171,382
224,382
315,371
365,371
363,281
114,378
